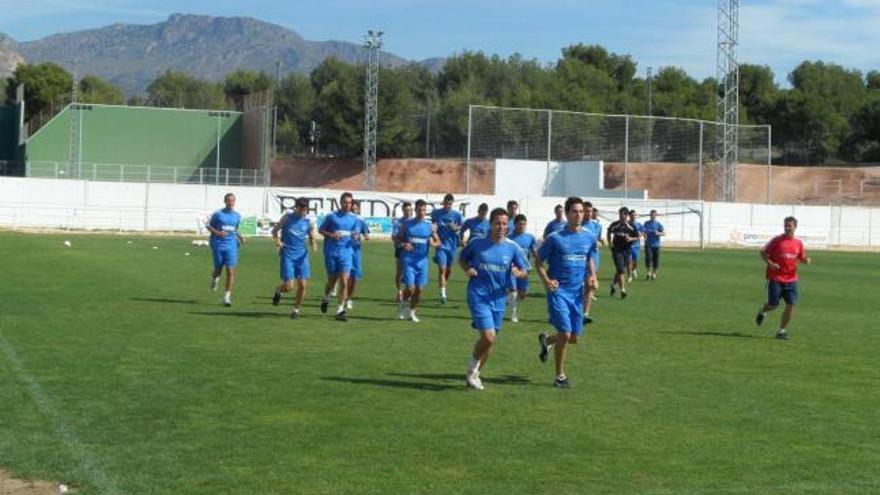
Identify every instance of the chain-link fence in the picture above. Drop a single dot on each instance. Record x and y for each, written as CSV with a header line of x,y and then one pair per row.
x,y
670,158
118,172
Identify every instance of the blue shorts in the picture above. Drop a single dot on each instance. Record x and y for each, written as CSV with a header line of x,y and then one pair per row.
x,y
295,267
444,257
227,257
357,270
337,264
634,252
788,292
518,284
486,316
415,273
566,310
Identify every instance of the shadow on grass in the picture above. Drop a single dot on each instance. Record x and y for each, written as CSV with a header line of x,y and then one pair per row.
x,y
243,314
501,380
164,300
429,387
719,334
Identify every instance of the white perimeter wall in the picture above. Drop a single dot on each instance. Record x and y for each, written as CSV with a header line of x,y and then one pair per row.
x,y
73,204
521,178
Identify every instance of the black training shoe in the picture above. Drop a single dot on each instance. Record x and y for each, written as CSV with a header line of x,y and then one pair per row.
x,y
294,315
276,298
341,316
588,320
612,290
623,293
759,318
561,382
543,348
782,335
324,304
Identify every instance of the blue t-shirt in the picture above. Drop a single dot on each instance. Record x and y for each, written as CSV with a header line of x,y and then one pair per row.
x,y
525,241
479,228
596,228
418,233
639,228
341,222
448,224
568,253
652,227
554,226
294,232
492,261
227,221
358,233
395,229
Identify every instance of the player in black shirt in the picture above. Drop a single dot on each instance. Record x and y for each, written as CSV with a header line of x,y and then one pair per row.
x,y
621,234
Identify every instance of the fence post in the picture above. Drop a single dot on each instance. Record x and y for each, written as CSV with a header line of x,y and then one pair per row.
x,y
94,171
56,170
27,169
626,159
174,175
549,141
241,177
769,165
121,173
700,167
201,176
227,176
467,166
149,168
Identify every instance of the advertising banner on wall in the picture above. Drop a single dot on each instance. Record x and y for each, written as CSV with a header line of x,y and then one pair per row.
x,y
758,236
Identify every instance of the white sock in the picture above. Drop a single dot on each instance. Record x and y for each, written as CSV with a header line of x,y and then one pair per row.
x,y
781,330
560,377
473,365
443,292
341,308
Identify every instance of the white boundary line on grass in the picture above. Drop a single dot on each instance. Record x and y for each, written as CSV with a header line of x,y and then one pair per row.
x,y
86,460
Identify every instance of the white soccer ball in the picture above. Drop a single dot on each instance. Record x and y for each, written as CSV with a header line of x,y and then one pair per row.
x,y
67,243
186,254
155,247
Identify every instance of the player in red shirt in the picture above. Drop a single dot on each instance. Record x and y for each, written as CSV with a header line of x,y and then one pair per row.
x,y
782,255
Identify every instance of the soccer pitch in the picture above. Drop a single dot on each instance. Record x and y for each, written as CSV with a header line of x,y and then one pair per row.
x,y
121,373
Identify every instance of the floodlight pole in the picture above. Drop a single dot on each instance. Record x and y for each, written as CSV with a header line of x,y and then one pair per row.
x,y
372,45
727,99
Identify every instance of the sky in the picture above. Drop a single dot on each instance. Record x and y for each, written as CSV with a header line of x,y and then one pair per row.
x,y
656,33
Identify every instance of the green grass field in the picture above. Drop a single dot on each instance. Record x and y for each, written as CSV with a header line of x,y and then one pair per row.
x,y
121,373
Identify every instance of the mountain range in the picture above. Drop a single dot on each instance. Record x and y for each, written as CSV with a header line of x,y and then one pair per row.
x,y
132,55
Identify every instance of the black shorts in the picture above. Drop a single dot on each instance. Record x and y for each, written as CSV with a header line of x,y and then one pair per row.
x,y
397,250
621,259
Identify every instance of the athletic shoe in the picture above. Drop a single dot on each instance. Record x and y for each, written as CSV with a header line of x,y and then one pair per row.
x,y
514,318
613,290
623,293
349,304
759,318
543,347
324,304
782,335
402,308
648,277
413,318
215,282
635,274
341,316
588,320
561,382
629,279
227,301
294,315
442,299
276,298
473,381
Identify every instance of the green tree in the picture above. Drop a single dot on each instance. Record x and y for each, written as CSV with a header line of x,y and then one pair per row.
x,y
864,141
757,93
296,100
93,89
47,86
241,83
339,108
180,90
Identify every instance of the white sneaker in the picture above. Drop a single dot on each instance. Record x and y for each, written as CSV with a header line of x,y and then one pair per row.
x,y
473,381
227,301
349,304
402,309
215,283
413,318
629,279
514,318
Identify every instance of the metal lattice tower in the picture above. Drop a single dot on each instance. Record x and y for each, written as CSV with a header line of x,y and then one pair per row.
x,y
727,102
372,45
75,132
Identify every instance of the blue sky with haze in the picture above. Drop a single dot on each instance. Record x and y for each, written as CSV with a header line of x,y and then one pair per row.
x,y
778,33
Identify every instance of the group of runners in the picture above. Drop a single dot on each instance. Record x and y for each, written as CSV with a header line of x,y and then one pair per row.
x,y
497,255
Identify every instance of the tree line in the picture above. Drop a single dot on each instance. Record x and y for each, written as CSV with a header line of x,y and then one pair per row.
x,y
829,113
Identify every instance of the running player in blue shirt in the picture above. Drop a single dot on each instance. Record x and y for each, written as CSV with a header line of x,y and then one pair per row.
x,y
448,222
569,255
478,226
489,263
407,209
519,287
359,234
512,210
337,229
592,279
557,223
416,235
225,240
653,233
632,268
295,228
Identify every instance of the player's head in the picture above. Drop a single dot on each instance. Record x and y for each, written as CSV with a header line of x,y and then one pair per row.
x,y
498,223
448,200
653,214
229,200
623,212
632,215
574,211
512,207
407,209
483,210
558,212
520,223
356,208
345,201
421,206
301,205
594,214
790,225
588,210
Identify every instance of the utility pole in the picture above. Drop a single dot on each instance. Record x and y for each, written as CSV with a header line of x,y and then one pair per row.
x,y
275,108
727,100
372,45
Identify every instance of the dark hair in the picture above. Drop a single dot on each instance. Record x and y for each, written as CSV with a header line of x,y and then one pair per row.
x,y
420,202
512,202
495,213
483,207
653,211
227,195
624,210
301,203
632,212
791,219
571,201
557,207
519,218
405,204
448,197
342,197
587,204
